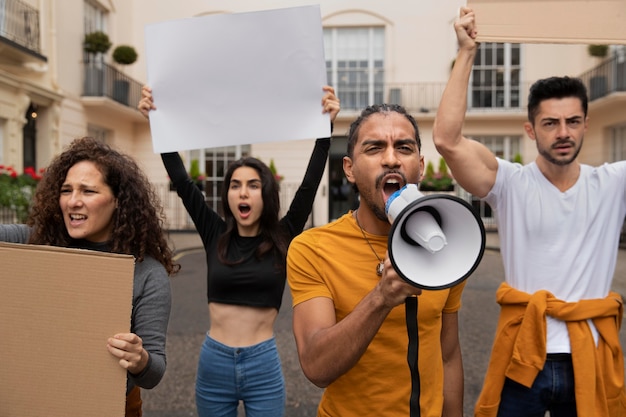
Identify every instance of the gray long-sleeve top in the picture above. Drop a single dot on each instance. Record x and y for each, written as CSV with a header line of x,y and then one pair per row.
x,y
151,307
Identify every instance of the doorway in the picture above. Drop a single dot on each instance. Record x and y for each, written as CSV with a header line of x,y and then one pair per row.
x,y
30,137
342,196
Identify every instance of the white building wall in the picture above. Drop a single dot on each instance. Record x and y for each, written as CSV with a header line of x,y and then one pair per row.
x,y
420,45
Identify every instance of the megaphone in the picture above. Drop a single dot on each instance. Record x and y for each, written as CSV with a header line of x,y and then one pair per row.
x,y
436,241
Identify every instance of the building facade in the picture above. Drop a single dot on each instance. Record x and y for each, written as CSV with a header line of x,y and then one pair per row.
x,y
52,90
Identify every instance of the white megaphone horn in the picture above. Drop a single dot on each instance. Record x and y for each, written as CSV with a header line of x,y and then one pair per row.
x,y
436,241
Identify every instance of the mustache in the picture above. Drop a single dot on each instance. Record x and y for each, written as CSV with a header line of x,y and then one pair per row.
x,y
563,142
379,179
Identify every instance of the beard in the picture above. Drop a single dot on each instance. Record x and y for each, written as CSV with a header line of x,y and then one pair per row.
x,y
371,201
545,152
378,212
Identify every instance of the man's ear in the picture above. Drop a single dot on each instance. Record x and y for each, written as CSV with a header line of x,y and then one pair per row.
x,y
530,131
347,169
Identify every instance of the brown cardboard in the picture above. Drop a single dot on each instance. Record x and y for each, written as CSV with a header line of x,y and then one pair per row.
x,y
551,21
58,306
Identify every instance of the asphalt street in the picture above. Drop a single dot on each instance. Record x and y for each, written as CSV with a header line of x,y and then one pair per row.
x,y
174,396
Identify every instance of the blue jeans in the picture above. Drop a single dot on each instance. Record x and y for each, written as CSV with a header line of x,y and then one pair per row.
x,y
552,390
227,375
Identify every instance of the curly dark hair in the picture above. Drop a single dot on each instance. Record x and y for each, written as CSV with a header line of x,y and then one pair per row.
x,y
137,220
273,235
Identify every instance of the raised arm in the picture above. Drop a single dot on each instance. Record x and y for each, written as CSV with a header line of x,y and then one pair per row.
x,y
474,166
207,221
302,203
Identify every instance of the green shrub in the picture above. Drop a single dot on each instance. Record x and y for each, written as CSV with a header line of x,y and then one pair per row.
x,y
96,42
437,181
599,51
124,55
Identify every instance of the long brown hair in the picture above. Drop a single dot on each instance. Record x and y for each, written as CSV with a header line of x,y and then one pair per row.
x,y
273,235
137,220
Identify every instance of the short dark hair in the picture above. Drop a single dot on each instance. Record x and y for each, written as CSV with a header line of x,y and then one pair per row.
x,y
379,108
555,87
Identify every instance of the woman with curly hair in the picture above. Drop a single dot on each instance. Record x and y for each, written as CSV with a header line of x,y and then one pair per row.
x,y
94,197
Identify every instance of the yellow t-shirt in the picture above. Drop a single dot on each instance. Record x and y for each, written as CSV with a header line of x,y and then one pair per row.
x,y
334,261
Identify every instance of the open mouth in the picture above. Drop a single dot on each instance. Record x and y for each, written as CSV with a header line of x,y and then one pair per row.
x,y
244,208
390,185
76,220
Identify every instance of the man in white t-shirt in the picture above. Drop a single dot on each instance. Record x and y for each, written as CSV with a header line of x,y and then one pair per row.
x,y
557,347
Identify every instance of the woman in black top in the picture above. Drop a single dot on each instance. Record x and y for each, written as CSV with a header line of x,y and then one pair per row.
x,y
246,254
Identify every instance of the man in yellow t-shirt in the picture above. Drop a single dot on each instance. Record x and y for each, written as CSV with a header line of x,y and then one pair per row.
x,y
349,316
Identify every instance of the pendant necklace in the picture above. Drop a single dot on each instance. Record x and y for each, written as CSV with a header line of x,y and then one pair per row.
x,y
381,263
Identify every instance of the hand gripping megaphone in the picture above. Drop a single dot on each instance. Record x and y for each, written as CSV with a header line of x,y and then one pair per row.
x,y
436,241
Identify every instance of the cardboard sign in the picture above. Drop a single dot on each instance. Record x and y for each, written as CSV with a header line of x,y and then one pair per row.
x,y
58,307
551,21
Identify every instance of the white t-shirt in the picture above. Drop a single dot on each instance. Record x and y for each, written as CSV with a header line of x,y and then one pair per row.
x,y
562,242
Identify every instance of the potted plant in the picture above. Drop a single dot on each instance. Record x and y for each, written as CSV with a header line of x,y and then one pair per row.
x,y
95,44
16,192
123,55
599,51
196,175
597,83
274,171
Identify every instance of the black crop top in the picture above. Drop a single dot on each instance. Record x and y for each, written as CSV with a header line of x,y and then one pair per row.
x,y
258,283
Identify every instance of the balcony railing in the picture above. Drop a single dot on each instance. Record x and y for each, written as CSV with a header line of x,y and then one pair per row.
x,y
425,97
415,97
19,24
103,80
608,77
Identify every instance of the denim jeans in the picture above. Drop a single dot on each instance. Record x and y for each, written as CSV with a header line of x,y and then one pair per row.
x,y
552,390
227,375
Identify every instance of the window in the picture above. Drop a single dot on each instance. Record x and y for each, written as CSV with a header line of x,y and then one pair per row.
x,y
217,161
355,64
98,133
504,147
496,76
95,17
618,143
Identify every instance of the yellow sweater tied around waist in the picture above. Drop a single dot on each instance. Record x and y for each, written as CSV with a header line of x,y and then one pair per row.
x,y
519,349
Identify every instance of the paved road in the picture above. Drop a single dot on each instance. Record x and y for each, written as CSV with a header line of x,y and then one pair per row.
x,y
174,397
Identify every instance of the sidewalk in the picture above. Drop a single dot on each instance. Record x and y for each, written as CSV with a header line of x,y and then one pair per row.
x,y
183,241
190,240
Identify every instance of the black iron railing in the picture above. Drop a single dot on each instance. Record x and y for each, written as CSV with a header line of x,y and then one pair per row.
x,y
104,80
19,24
606,78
